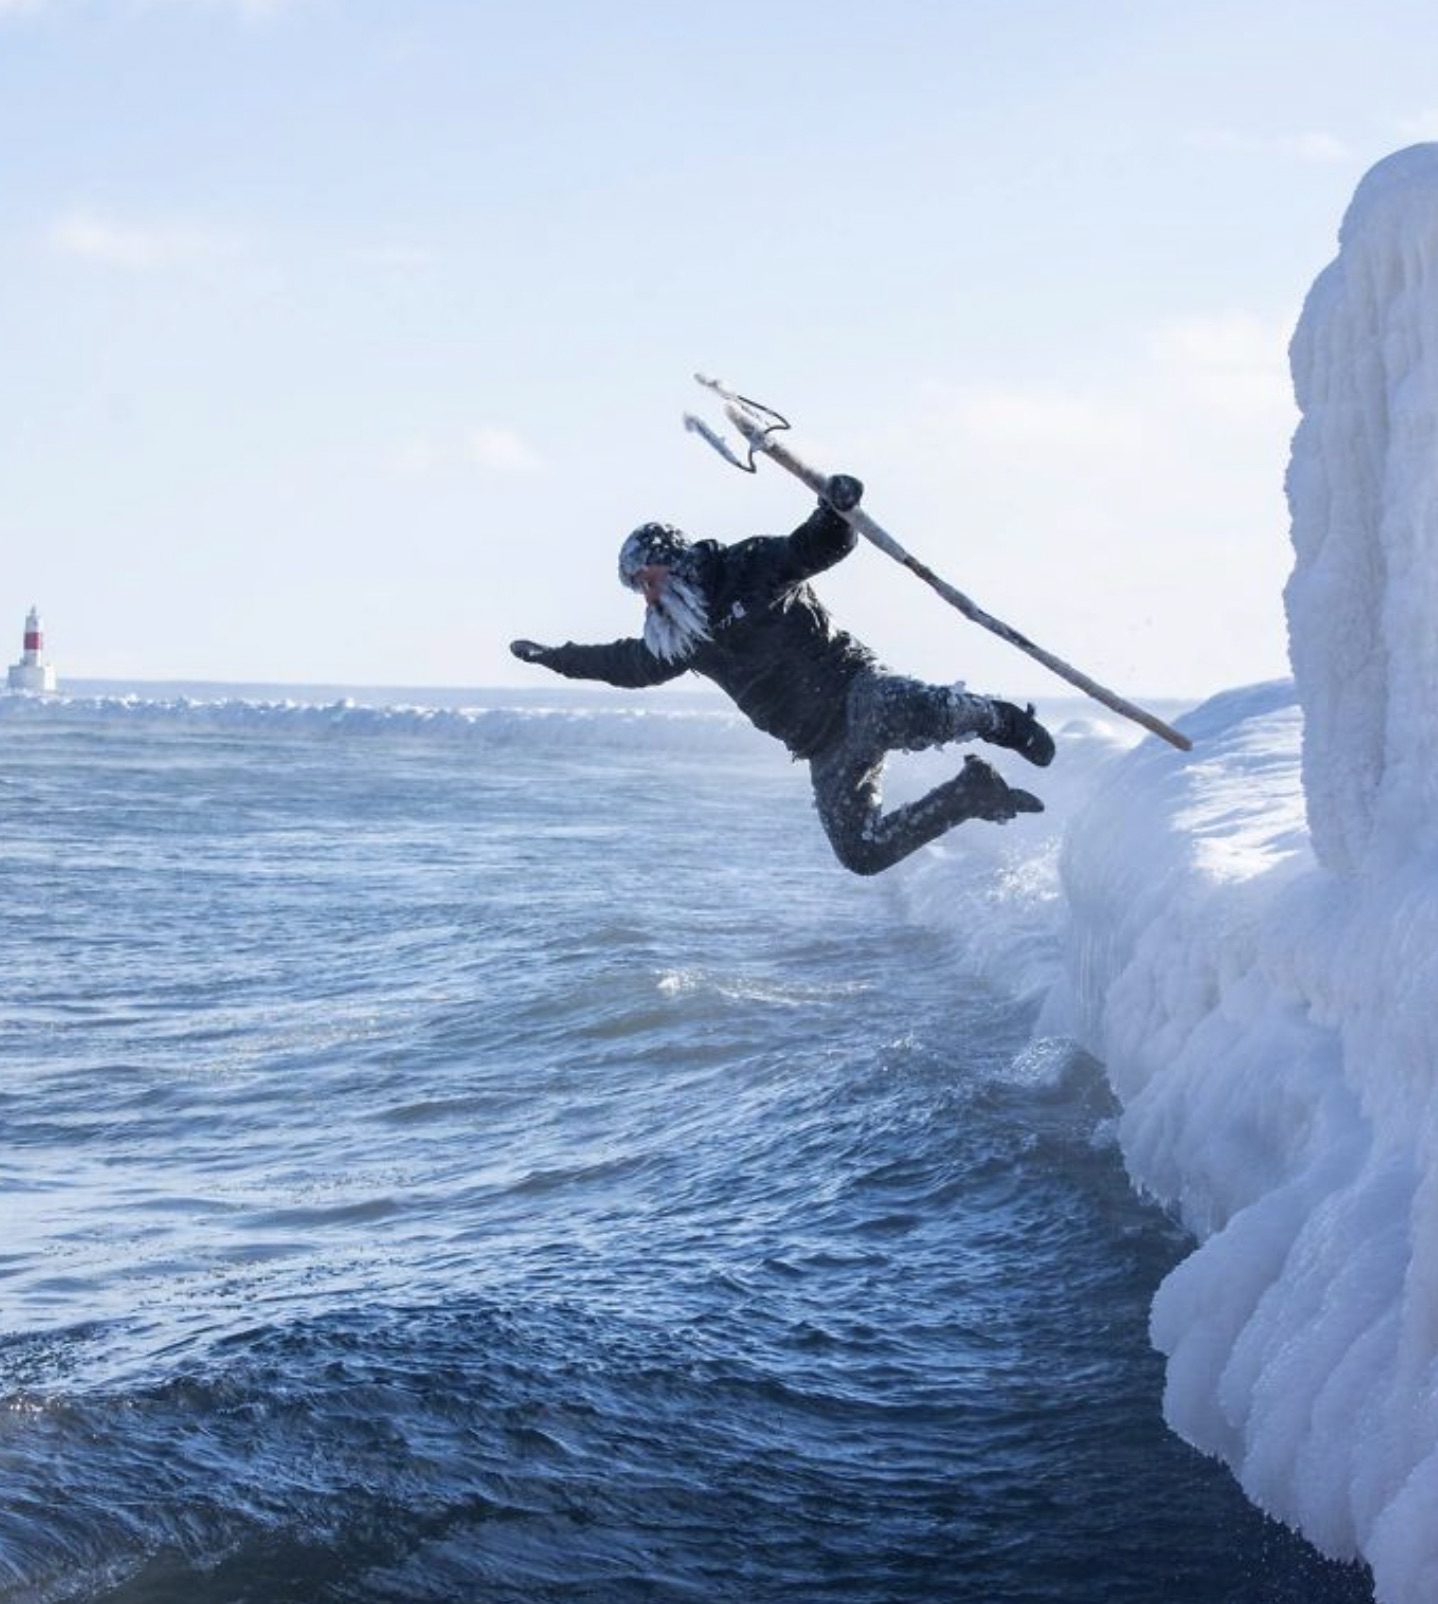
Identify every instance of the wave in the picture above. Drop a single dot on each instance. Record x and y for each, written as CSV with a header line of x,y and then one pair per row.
x,y
577,717
487,717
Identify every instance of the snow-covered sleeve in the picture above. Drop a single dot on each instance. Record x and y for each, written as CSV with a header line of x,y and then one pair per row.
x,y
626,663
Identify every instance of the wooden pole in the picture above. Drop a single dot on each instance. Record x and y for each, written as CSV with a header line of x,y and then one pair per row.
x,y
760,437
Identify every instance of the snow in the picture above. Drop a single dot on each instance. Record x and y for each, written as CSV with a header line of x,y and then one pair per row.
x,y
1252,952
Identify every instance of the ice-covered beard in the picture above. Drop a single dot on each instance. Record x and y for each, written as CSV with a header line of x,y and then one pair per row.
x,y
675,625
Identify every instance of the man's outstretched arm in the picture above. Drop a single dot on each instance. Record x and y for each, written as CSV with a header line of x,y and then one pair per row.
x,y
625,663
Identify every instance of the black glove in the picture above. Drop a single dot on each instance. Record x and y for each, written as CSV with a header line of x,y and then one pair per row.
x,y
528,651
842,492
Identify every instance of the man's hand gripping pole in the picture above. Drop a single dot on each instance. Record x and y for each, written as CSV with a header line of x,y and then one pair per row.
x,y
759,424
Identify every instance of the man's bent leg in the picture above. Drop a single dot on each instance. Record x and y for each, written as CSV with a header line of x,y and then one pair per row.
x,y
868,841
890,713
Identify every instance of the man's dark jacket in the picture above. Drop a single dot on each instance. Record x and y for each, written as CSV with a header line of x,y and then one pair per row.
x,y
772,646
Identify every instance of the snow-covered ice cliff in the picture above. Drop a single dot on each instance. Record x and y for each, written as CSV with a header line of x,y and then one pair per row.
x,y
1253,953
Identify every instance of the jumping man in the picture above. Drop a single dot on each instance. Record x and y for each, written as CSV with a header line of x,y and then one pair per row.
x,y
745,617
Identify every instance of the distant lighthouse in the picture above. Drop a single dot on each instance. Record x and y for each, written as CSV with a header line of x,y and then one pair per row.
x,y
32,672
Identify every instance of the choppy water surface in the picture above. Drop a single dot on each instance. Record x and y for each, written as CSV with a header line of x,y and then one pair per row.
x,y
500,1157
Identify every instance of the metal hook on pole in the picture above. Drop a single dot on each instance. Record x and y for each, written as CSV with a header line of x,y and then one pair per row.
x,y
756,422
758,425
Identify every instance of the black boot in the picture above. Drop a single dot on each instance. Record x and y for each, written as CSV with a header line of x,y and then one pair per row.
x,y
1018,729
986,794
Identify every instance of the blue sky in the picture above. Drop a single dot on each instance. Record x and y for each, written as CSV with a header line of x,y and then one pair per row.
x,y
343,340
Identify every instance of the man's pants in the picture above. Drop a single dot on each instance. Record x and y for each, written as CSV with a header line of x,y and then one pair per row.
x,y
887,713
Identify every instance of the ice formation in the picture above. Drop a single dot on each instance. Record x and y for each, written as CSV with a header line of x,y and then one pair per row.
x,y
1253,953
